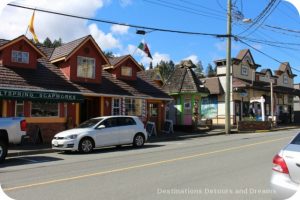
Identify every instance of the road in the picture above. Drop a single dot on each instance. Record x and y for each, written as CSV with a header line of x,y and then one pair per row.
x,y
237,166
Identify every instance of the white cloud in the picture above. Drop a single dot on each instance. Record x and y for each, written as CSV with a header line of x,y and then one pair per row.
x,y
193,58
222,46
125,3
157,57
14,21
119,29
105,41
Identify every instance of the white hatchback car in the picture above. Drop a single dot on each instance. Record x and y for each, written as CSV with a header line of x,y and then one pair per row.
x,y
100,132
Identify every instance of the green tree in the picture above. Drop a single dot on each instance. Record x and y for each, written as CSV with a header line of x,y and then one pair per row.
x,y
165,68
151,65
109,54
210,71
199,70
48,43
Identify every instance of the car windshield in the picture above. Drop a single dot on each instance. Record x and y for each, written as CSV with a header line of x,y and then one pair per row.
x,y
296,140
90,123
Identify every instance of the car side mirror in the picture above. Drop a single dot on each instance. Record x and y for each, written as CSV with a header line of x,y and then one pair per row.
x,y
101,126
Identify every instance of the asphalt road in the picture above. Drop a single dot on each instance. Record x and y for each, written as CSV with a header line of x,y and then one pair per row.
x,y
217,167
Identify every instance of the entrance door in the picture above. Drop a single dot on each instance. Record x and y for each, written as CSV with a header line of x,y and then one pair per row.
x,y
89,108
237,112
153,113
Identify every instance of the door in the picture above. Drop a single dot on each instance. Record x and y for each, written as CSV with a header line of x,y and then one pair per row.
x,y
153,113
1,108
126,129
89,108
237,112
109,135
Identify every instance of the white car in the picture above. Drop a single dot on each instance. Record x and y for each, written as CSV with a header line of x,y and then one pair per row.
x,y
100,132
285,179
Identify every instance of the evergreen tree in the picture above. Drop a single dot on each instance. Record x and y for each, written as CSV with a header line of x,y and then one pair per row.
x,y
48,43
151,65
210,71
165,68
199,70
109,54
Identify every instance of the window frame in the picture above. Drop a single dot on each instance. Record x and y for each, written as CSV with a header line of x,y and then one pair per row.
x,y
126,68
114,107
94,67
16,58
285,79
19,103
58,110
244,73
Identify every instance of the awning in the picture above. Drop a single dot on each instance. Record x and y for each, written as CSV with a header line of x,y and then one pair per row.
x,y
40,96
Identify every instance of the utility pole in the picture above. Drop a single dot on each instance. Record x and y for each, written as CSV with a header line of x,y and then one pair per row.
x,y
228,72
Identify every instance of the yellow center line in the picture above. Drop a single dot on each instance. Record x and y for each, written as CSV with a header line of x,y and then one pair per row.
x,y
142,165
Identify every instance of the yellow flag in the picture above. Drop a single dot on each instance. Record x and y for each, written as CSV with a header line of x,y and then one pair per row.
x,y
31,29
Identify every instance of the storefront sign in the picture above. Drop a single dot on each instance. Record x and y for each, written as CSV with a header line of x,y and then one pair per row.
x,y
44,96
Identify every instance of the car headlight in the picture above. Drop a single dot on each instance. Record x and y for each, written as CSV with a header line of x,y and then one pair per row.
x,y
72,137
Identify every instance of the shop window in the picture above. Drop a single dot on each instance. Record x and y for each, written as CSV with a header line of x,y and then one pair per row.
x,y
20,57
133,107
44,109
244,70
116,106
153,109
19,109
126,71
85,67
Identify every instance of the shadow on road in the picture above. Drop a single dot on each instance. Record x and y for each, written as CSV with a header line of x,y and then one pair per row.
x,y
27,160
114,149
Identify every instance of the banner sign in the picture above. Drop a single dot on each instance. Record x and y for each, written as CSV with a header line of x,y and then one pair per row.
x,y
39,96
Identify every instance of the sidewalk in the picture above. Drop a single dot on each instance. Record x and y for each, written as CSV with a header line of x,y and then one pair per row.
x,y
30,149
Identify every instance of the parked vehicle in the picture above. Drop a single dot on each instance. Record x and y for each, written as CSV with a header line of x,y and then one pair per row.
x,y
100,132
12,131
285,180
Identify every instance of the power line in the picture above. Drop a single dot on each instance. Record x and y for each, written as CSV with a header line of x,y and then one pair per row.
x,y
265,18
118,23
283,29
204,7
260,16
185,9
272,45
265,54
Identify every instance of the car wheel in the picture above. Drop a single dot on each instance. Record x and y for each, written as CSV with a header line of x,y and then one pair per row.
x,y
138,140
85,145
3,151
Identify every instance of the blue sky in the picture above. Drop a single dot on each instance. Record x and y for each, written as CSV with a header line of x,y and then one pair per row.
x,y
186,15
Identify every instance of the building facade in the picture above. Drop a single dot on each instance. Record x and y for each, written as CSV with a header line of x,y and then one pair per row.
x,y
252,92
58,88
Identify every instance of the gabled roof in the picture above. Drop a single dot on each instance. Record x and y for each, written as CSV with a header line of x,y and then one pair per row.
x,y
213,85
153,74
243,53
117,61
285,66
184,80
264,72
6,43
48,77
65,51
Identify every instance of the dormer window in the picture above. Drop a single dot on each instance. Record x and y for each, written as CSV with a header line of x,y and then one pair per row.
x,y
244,70
285,79
20,57
85,67
126,71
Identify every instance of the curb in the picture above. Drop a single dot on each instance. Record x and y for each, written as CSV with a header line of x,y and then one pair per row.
x,y
29,152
